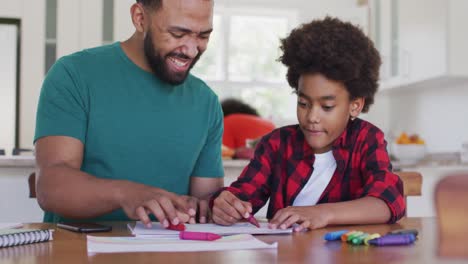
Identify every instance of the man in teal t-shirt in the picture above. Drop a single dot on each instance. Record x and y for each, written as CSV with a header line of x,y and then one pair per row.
x,y
124,131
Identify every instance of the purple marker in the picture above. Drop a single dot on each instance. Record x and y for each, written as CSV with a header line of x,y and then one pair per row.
x,y
393,240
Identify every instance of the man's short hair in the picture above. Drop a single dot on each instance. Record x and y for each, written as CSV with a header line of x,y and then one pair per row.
x,y
153,4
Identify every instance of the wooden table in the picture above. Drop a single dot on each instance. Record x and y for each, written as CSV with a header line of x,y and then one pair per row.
x,y
307,247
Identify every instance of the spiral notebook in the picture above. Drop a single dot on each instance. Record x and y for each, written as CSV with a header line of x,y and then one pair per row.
x,y
15,237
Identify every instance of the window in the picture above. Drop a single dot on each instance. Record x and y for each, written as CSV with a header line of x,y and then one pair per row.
x,y
51,34
107,21
241,59
10,42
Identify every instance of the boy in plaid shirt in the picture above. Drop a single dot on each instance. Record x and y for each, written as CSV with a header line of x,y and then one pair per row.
x,y
331,168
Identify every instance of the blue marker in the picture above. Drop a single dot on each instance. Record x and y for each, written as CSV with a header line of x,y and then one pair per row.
x,y
334,235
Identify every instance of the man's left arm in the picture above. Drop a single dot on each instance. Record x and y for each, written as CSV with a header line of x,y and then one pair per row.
x,y
208,173
202,188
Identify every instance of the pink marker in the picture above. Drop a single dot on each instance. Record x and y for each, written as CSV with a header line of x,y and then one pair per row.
x,y
253,221
187,235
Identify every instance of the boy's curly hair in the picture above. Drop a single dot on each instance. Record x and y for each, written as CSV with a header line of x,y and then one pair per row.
x,y
338,50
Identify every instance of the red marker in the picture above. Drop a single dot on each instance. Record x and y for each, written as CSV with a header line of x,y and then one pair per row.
x,y
178,227
253,221
187,235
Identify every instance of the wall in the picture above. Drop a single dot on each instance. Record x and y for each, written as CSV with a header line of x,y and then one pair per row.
x,y
8,48
78,28
31,14
438,114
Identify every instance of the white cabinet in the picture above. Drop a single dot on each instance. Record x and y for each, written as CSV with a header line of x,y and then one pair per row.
x,y
457,54
422,42
79,25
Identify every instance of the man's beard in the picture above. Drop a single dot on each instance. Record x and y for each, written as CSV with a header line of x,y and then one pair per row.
x,y
158,64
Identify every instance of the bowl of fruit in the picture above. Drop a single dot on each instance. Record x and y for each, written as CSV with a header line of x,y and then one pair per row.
x,y
409,149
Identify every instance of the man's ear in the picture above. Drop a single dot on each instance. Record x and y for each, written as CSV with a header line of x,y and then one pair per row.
x,y
138,15
356,106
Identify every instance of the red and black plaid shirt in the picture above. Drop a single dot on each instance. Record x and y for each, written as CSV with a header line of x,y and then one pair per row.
x,y
283,163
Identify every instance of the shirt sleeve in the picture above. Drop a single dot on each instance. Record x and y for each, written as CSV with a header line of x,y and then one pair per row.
x,y
62,107
380,181
253,183
209,163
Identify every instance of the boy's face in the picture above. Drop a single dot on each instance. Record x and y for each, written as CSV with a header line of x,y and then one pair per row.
x,y
323,110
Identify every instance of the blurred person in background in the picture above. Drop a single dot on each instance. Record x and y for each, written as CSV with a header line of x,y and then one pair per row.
x,y
241,123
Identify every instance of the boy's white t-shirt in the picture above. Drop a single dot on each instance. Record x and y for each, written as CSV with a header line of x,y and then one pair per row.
x,y
324,167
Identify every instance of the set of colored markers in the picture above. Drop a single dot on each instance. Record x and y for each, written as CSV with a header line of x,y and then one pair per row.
x,y
393,238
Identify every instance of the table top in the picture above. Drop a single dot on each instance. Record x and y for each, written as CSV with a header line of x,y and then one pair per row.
x,y
304,247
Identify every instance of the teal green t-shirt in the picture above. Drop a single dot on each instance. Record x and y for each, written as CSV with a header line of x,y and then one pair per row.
x,y
133,126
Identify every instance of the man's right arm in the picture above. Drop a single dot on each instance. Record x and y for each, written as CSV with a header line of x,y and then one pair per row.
x,y
64,189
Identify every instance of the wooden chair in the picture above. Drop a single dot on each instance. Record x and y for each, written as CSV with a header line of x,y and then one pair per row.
x,y
32,185
451,202
412,182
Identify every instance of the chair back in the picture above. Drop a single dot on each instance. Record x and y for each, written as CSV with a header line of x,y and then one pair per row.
x,y
451,202
32,185
412,182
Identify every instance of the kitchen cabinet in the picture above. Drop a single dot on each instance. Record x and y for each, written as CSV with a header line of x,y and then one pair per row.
x,y
422,42
79,25
15,204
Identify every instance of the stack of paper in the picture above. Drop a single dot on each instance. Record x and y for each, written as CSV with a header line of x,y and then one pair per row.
x,y
238,228
172,244
10,225
159,239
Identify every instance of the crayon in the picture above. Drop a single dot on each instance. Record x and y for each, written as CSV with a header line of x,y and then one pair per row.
x,y
178,227
344,237
356,234
205,236
359,239
370,237
403,231
393,240
331,236
253,221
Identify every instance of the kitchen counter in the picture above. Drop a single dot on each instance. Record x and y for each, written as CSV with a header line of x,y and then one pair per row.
x,y
17,162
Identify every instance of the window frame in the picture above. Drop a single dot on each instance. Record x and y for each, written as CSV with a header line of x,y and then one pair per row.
x,y
226,13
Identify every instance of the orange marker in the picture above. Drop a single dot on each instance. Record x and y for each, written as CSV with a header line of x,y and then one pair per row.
x,y
344,237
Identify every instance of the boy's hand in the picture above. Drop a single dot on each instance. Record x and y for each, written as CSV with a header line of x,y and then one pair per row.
x,y
311,217
228,209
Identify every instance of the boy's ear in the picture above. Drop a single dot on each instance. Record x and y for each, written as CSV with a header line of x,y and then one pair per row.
x,y
356,107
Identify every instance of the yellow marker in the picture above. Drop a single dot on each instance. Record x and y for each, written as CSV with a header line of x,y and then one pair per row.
x,y
366,240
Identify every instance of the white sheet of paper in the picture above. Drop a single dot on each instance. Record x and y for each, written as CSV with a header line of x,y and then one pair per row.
x,y
98,244
10,225
238,228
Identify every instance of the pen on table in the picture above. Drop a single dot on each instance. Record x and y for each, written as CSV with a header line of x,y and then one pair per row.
x,y
404,231
205,236
253,221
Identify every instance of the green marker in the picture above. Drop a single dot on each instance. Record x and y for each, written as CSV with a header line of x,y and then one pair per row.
x,y
353,235
359,239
